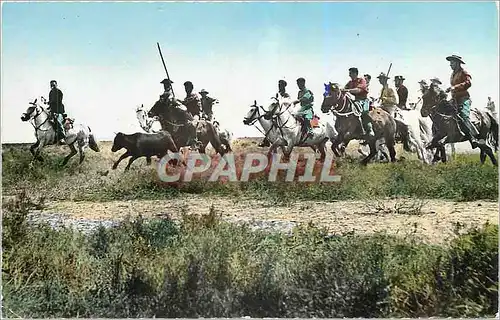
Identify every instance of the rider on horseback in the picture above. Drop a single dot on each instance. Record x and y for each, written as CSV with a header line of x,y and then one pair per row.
x,y
402,92
56,108
387,96
460,81
207,104
306,98
359,88
281,94
168,91
192,100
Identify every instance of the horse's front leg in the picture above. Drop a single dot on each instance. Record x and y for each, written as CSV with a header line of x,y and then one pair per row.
x,y
81,150
322,151
273,149
442,149
335,145
437,155
373,152
33,147
35,151
288,151
71,154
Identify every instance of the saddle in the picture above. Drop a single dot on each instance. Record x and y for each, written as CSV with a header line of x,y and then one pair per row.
x,y
68,123
315,122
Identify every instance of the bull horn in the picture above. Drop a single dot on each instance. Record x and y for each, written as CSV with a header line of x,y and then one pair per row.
x,y
35,101
255,102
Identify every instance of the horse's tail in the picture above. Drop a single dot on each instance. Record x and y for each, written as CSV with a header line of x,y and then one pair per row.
x,y
425,130
92,143
493,134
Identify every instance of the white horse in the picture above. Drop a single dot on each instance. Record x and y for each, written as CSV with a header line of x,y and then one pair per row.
x,y
411,120
150,125
45,133
258,114
290,129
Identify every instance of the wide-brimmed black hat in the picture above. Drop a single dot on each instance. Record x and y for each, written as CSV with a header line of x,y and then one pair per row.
x,y
456,58
383,76
282,82
399,78
167,81
436,81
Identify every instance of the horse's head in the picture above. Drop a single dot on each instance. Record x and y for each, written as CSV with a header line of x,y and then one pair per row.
x,y
431,97
273,109
331,96
144,121
31,112
158,108
253,114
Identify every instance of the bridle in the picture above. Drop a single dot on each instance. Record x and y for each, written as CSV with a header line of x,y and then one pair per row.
x,y
252,120
432,110
38,113
342,111
161,118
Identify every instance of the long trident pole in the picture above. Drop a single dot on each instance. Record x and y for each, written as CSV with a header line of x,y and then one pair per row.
x,y
165,67
383,88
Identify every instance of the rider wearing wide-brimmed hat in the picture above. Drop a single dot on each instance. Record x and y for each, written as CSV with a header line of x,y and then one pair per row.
x,y
460,81
207,104
387,95
402,92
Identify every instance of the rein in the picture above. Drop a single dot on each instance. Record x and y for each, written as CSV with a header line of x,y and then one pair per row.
x,y
32,120
253,123
344,106
276,118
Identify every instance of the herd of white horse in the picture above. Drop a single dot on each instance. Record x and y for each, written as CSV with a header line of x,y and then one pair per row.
x,y
286,137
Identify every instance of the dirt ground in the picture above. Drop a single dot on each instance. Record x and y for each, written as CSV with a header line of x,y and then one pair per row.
x,y
430,220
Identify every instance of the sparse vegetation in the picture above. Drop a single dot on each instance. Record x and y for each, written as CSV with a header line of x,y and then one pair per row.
x,y
463,179
204,267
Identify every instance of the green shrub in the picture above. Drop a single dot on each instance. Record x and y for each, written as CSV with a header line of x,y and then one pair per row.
x,y
204,267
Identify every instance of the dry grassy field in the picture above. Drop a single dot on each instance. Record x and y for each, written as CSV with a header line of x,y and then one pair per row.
x,y
92,191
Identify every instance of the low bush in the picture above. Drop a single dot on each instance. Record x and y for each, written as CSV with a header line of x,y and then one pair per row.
x,y
205,267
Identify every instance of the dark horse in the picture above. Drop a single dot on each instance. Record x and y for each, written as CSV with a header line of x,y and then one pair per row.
x,y
348,126
184,128
446,128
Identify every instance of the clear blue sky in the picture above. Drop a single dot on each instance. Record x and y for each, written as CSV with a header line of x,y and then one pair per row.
x,y
82,36
106,33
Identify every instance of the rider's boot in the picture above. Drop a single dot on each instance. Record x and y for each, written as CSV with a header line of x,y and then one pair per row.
x,y
369,129
468,131
367,126
362,126
309,130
